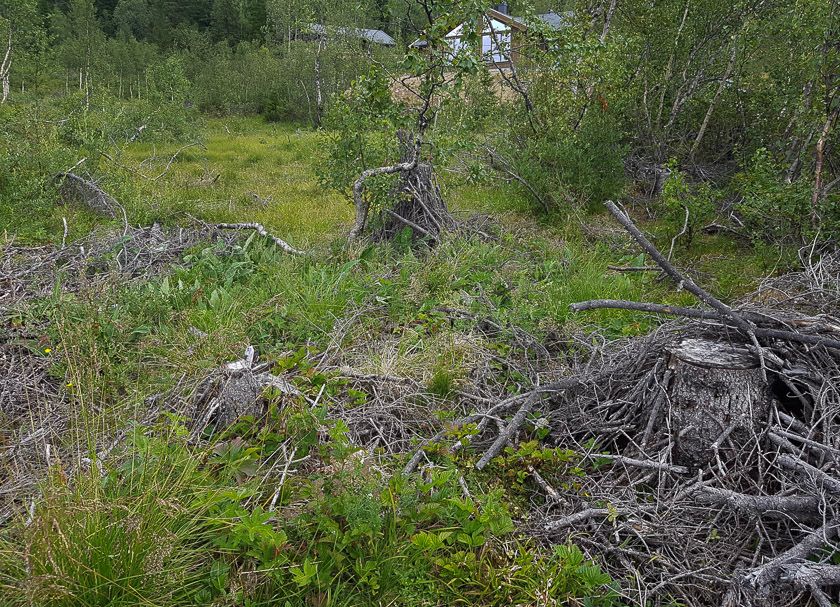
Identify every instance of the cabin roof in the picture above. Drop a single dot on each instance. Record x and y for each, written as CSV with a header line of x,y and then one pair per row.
x,y
374,36
552,19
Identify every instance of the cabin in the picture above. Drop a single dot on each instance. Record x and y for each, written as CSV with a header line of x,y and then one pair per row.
x,y
367,36
502,35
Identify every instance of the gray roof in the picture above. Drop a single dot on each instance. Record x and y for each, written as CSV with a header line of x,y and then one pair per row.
x,y
375,36
552,19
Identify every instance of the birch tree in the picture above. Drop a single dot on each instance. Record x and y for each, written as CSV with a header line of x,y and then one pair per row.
x,y
18,35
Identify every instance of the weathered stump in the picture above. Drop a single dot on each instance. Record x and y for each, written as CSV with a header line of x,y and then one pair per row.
x,y
419,204
234,391
718,395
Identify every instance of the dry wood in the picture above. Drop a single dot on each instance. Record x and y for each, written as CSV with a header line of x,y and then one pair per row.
x,y
260,229
754,317
362,205
771,572
73,186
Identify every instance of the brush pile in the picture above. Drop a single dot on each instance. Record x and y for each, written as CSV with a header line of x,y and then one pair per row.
x,y
34,403
711,446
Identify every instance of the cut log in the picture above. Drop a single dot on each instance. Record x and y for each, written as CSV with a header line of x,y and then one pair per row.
x,y
717,388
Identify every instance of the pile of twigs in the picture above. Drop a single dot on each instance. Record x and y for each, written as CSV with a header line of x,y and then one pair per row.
x,y
133,253
35,407
755,518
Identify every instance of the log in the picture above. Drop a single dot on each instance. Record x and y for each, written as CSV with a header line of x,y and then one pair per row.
x,y
715,386
73,186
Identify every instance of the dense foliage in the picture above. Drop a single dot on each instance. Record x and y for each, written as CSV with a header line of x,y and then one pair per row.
x,y
713,89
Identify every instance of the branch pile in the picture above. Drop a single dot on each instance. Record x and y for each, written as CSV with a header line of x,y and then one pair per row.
x,y
711,446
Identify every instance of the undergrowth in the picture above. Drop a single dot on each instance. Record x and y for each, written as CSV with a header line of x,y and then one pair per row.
x,y
166,520
176,524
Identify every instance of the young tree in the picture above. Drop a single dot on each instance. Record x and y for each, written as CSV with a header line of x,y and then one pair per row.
x,y
432,75
20,31
82,41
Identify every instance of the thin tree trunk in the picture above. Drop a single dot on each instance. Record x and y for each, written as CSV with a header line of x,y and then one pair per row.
x,y
608,21
669,70
726,76
319,95
6,67
818,169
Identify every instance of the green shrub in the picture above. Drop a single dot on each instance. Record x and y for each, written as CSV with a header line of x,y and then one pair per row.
x,y
772,209
686,204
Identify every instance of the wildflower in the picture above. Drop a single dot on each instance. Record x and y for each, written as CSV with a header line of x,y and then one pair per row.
x,y
47,350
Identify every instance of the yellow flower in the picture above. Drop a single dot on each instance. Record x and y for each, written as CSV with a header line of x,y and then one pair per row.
x,y
69,384
47,350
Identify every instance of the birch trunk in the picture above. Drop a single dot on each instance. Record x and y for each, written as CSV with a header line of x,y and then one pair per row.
x,y
5,68
818,169
726,76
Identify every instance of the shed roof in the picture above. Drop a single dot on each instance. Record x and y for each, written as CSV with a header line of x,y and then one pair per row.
x,y
375,36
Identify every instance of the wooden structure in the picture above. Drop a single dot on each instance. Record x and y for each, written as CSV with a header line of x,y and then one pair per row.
x,y
502,36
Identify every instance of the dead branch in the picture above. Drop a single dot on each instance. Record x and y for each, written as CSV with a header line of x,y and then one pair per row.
x,y
815,340
260,229
778,505
771,572
671,271
362,205
511,429
820,478
73,186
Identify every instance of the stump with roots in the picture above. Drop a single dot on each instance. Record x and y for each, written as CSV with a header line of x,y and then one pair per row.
x,y
718,393
418,202
419,206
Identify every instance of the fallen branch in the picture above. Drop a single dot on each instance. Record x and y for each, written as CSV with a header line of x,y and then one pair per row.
x,y
260,229
590,513
814,340
671,271
762,577
511,429
639,463
780,505
689,285
820,478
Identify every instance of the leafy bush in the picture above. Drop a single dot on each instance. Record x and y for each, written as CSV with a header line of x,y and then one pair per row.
x,y
686,204
771,208
361,134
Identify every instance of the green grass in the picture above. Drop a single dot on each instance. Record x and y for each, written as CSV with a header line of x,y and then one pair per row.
x,y
173,523
252,160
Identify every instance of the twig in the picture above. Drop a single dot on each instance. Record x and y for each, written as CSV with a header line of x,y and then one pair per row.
x,y
512,427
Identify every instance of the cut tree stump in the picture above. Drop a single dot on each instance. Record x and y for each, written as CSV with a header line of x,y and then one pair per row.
x,y
718,393
419,204
234,391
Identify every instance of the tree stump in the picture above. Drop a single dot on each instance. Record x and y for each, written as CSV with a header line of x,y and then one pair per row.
x,y
419,204
234,391
718,396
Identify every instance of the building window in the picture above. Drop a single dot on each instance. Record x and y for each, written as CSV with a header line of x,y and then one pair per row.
x,y
496,50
